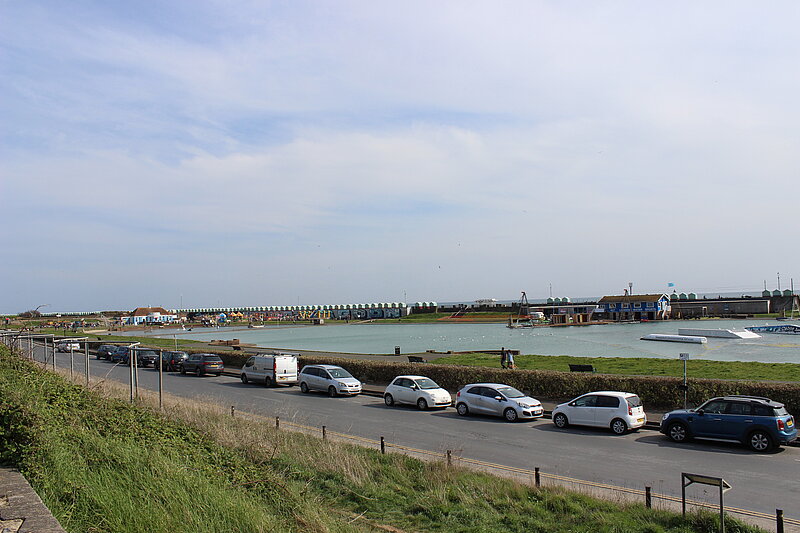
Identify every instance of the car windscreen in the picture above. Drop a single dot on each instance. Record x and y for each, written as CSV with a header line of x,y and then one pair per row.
x,y
633,401
339,373
510,392
426,383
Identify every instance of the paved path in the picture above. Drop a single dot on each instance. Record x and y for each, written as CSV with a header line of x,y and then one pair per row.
x,y
21,509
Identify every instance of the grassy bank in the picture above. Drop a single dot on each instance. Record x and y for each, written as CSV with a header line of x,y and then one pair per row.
x,y
639,366
101,464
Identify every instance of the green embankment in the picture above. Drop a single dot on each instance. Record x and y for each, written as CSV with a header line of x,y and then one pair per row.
x,y
639,366
103,465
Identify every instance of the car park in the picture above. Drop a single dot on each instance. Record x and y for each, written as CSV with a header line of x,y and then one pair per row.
x,y
757,422
105,351
68,346
201,364
416,390
273,369
497,399
619,411
335,380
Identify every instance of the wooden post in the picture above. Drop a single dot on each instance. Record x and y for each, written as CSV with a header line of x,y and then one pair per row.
x,y
233,411
537,477
779,520
86,350
383,445
324,433
277,422
648,498
71,355
449,458
161,379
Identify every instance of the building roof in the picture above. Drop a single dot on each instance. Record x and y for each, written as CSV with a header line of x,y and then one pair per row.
x,y
633,298
144,311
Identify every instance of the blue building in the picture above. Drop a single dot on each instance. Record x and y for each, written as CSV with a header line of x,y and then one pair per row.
x,y
636,307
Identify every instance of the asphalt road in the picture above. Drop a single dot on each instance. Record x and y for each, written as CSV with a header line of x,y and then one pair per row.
x,y
761,482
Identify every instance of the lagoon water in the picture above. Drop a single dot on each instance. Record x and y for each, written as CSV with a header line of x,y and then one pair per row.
x,y
611,340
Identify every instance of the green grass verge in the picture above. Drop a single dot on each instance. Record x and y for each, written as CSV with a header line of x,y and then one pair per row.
x,y
101,465
639,366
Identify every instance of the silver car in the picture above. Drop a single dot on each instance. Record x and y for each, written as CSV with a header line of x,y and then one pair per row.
x,y
497,399
335,380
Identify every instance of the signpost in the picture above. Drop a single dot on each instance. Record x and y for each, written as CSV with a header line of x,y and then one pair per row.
x,y
685,357
688,479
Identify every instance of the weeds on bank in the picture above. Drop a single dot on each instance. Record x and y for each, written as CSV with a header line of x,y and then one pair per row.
x,y
101,464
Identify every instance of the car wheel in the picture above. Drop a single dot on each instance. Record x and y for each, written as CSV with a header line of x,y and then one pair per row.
x,y
510,414
303,387
332,391
678,432
183,369
560,420
269,382
462,409
759,441
388,400
243,377
618,426
422,404
198,372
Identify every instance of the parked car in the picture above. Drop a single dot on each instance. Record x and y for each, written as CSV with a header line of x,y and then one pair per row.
x,y
202,363
333,379
757,422
271,369
145,357
171,361
120,355
497,399
620,411
67,346
416,390
105,351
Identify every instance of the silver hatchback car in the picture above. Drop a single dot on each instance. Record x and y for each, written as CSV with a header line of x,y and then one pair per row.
x,y
497,399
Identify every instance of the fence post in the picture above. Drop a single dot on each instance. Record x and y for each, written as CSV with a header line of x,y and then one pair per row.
x,y
383,445
324,434
537,477
86,349
779,520
648,498
54,354
71,354
449,458
130,371
161,379
277,422
233,411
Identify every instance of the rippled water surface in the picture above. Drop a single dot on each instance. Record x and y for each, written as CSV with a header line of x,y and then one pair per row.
x,y
611,340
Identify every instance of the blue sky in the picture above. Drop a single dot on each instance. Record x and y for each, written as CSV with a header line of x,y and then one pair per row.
x,y
268,153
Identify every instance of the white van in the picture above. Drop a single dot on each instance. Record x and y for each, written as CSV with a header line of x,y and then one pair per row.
x,y
275,369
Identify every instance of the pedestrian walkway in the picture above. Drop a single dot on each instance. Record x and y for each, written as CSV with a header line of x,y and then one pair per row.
x,y
21,509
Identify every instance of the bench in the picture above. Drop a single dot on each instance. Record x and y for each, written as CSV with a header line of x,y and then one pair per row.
x,y
415,359
581,368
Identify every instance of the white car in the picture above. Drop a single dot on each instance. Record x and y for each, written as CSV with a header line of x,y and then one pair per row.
x,y
335,380
497,399
416,390
68,346
619,411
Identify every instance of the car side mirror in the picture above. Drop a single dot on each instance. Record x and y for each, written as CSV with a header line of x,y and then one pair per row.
x,y
701,412
571,404
414,387
499,398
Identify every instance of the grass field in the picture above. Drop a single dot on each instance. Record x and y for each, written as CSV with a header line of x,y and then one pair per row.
x,y
103,465
640,366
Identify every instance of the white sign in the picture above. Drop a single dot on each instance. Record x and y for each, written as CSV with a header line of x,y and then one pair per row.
x,y
684,357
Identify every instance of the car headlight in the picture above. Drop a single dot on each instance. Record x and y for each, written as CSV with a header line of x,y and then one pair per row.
x,y
666,415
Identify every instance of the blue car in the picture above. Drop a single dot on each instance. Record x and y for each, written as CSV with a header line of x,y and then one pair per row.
x,y
759,423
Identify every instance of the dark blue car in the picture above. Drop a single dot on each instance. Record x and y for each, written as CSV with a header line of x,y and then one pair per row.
x,y
759,423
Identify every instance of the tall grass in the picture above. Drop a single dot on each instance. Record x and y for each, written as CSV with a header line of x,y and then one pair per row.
x,y
101,464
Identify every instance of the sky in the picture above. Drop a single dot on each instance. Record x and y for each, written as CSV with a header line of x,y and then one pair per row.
x,y
245,153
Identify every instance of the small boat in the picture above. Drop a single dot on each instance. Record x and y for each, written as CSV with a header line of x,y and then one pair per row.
x,y
691,339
